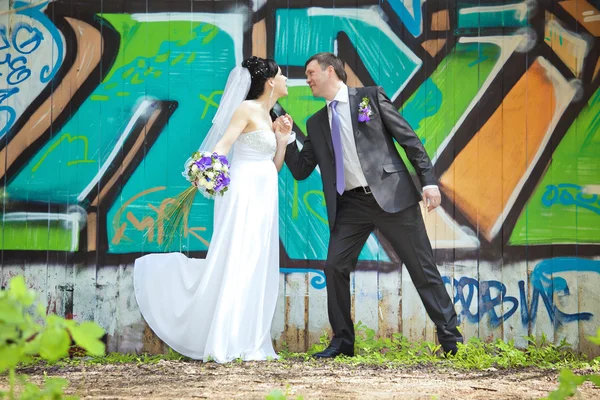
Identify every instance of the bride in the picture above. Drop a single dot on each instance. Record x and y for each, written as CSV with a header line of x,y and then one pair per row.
x,y
220,308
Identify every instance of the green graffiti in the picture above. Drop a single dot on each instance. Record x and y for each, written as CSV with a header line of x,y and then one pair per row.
x,y
559,211
434,110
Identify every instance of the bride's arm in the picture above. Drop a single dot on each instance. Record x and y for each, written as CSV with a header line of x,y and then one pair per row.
x,y
280,153
238,123
283,128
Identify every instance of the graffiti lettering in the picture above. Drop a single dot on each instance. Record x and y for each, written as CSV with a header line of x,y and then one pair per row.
x,y
36,13
21,71
568,194
147,224
29,42
24,40
469,291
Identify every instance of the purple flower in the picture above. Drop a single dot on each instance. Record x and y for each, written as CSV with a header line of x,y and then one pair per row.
x,y
222,182
364,110
364,114
204,163
223,160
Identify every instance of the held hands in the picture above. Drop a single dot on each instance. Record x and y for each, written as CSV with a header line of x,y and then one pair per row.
x,y
283,128
432,198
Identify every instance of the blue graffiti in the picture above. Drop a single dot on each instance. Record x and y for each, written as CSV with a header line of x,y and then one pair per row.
x,y
317,281
24,40
21,70
37,14
412,23
569,194
11,115
30,43
465,291
544,284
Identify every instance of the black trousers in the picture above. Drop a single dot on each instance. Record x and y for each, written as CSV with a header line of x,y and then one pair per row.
x,y
358,214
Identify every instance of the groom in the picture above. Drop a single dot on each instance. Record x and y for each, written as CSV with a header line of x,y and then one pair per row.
x,y
367,186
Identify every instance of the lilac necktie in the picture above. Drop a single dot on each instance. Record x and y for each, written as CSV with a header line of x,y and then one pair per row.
x,y
336,139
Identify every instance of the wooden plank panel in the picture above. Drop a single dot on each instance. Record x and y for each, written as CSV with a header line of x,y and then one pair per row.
x,y
318,319
295,311
278,324
390,303
588,283
106,303
516,279
466,276
366,299
490,300
416,325
130,323
84,292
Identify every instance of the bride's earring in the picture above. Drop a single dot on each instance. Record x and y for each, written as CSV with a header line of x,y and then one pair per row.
x,y
272,90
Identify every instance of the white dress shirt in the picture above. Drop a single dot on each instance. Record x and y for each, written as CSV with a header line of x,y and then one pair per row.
x,y
353,173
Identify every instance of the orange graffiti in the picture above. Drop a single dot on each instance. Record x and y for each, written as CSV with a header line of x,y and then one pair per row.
x,y
148,224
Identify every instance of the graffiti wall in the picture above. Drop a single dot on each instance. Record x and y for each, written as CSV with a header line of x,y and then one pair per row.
x,y
101,103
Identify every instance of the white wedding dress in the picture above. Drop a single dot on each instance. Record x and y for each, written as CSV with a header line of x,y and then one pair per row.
x,y
221,308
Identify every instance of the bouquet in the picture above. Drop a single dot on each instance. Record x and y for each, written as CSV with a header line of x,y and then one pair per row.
x,y
209,174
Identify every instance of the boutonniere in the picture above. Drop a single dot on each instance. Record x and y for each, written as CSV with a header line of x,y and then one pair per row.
x,y
364,110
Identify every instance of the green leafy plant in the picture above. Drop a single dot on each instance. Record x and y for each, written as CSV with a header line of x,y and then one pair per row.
x,y
277,394
475,354
26,332
569,381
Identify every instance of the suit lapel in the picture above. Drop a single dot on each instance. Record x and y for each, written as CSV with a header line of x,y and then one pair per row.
x,y
352,96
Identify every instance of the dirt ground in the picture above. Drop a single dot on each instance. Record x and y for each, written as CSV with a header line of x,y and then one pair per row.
x,y
312,380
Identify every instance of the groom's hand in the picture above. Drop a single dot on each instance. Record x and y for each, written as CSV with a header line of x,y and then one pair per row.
x,y
283,127
432,198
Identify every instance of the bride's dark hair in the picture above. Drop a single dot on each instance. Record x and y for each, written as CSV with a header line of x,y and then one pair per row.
x,y
261,70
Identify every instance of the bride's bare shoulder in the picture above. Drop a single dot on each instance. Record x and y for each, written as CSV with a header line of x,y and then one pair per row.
x,y
245,109
250,105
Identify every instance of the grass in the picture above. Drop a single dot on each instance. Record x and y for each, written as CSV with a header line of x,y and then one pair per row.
x,y
398,351
474,355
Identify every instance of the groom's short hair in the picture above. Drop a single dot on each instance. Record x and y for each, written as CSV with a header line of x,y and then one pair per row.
x,y
326,59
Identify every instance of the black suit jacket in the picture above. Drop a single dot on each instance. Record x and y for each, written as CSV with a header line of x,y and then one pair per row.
x,y
384,170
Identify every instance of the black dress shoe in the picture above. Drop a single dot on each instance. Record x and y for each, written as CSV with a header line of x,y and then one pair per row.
x,y
332,352
450,349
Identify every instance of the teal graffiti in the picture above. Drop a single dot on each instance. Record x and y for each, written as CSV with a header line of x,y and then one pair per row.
x,y
300,33
62,170
303,218
426,102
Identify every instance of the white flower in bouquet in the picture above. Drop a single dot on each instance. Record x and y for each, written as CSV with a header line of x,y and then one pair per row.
x,y
201,182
